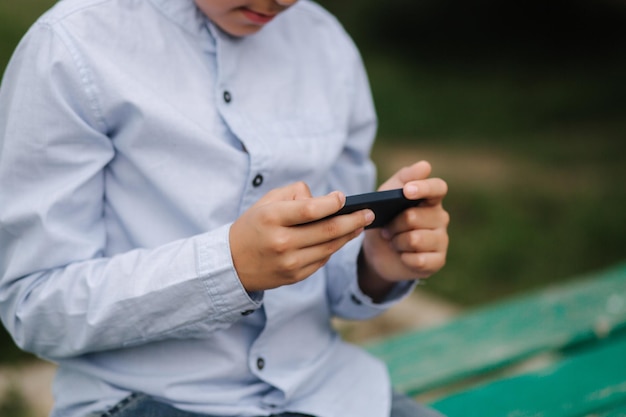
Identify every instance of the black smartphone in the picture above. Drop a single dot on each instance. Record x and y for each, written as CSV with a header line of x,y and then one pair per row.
x,y
385,204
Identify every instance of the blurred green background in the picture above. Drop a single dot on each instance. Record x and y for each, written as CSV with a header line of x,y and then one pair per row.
x,y
520,106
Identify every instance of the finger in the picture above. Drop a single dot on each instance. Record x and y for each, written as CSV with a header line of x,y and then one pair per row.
x,y
323,231
296,191
418,218
307,210
424,265
433,190
421,241
316,256
419,170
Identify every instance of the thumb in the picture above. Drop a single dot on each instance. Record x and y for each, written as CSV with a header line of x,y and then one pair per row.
x,y
418,171
295,191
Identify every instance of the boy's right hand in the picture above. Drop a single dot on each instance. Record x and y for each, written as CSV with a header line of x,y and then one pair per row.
x,y
274,243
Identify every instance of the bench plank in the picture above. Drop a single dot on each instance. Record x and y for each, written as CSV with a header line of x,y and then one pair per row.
x,y
580,385
591,307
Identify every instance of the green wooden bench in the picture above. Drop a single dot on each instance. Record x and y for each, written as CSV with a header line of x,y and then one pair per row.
x,y
560,351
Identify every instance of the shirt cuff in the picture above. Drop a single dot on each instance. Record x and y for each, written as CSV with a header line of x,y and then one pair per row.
x,y
397,293
229,299
356,305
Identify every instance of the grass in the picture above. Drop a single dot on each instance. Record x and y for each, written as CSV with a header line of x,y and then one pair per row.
x,y
533,151
15,17
526,239
495,101
525,218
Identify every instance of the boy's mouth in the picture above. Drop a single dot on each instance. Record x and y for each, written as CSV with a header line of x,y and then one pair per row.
x,y
256,17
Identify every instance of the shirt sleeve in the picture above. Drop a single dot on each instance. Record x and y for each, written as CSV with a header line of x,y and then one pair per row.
x,y
74,299
355,173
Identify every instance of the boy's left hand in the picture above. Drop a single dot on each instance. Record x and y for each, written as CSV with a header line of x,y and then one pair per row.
x,y
415,243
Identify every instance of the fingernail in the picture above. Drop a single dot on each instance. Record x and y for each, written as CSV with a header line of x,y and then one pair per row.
x,y
411,190
369,216
385,234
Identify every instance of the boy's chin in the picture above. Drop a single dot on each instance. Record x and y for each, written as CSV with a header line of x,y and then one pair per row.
x,y
240,31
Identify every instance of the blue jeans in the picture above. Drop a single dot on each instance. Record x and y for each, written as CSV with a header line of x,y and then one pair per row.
x,y
140,405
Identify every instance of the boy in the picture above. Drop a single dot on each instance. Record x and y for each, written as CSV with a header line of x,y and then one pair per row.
x,y
162,167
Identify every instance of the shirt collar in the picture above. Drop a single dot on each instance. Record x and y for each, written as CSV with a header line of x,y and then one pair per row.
x,y
184,13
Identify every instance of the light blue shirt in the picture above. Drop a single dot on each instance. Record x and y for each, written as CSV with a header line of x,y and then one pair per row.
x,y
132,135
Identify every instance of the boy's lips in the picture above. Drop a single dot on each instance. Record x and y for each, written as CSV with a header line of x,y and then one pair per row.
x,y
255,17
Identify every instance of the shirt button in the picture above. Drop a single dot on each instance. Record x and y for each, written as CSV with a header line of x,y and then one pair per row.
x,y
355,300
260,363
247,312
258,180
227,97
